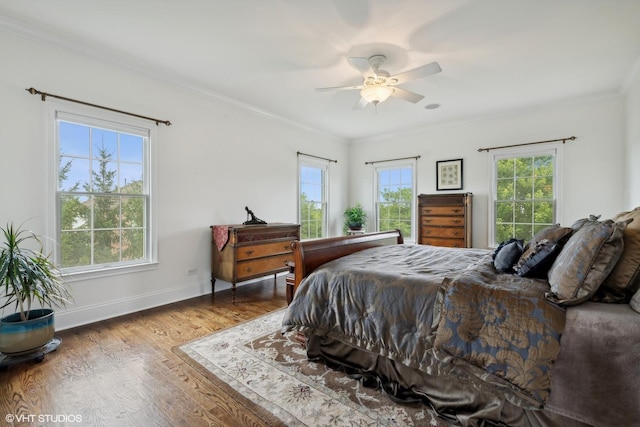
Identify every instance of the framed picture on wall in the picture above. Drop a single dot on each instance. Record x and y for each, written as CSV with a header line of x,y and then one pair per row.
x,y
449,175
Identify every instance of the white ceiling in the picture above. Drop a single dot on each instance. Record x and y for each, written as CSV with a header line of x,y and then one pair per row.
x,y
269,55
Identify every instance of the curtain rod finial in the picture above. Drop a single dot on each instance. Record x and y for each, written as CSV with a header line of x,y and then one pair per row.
x,y
34,91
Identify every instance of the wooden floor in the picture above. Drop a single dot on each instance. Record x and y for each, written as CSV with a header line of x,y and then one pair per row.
x,y
122,372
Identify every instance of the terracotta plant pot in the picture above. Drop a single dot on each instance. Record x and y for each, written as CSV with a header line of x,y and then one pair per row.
x,y
17,336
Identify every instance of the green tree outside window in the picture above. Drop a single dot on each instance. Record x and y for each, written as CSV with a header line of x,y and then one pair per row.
x,y
525,201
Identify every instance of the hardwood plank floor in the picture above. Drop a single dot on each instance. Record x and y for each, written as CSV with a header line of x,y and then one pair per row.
x,y
122,372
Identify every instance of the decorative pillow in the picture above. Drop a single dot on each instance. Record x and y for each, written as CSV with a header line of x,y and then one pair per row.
x,y
585,261
536,260
541,251
590,220
553,233
624,280
507,255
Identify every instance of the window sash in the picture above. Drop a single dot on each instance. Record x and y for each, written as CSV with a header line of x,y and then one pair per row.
x,y
523,201
398,213
313,212
127,238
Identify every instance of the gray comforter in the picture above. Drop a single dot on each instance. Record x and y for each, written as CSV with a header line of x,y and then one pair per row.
x,y
380,299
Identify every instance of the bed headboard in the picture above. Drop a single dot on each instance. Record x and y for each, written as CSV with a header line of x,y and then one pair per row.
x,y
310,254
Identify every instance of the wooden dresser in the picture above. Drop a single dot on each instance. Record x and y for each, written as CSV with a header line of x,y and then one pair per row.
x,y
243,252
445,219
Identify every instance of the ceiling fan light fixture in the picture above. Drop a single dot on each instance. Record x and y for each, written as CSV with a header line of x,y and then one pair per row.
x,y
376,94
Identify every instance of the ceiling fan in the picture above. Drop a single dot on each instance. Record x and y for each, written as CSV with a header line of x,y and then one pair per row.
x,y
378,85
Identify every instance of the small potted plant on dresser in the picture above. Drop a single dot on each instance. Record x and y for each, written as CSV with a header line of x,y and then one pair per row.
x,y
354,218
27,277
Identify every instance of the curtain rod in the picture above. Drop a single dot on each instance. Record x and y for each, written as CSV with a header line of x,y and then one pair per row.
x,y
571,138
391,160
316,157
43,96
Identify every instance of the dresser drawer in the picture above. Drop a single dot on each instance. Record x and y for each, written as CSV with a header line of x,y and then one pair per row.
x,y
450,232
260,250
262,266
451,243
442,210
447,221
255,234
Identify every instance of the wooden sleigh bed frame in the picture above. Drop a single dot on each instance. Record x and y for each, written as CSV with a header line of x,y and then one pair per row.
x,y
598,398
311,254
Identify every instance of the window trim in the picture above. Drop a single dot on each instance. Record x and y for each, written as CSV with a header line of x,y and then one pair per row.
x,y
320,164
398,164
93,116
554,149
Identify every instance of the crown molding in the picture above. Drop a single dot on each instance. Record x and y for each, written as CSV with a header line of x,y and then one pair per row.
x,y
94,52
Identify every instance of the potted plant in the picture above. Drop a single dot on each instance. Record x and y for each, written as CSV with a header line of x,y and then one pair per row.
x,y
27,278
354,217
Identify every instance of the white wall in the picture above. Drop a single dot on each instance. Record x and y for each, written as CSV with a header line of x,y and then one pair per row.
x,y
592,169
632,109
216,158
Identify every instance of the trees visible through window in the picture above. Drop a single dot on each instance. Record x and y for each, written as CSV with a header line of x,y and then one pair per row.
x,y
395,196
102,195
525,195
313,202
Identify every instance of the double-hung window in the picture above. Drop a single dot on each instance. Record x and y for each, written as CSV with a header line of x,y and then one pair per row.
x,y
395,195
524,193
313,201
103,193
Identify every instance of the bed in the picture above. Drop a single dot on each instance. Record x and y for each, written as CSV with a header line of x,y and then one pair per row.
x,y
481,347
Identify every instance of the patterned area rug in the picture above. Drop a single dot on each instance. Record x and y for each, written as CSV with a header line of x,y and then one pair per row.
x,y
254,362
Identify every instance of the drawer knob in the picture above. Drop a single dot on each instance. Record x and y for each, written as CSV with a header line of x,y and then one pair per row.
x,y
249,270
249,252
457,221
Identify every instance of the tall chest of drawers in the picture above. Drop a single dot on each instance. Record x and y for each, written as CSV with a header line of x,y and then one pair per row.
x,y
445,219
244,252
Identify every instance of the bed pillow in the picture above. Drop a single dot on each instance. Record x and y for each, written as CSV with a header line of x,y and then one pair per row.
x,y
582,221
585,261
507,255
536,260
541,251
624,279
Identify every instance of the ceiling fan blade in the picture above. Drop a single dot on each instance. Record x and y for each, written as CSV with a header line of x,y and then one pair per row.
x,y
362,65
326,89
406,95
360,104
417,73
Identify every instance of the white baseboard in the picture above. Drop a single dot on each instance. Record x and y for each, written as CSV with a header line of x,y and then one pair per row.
x,y
94,313
72,318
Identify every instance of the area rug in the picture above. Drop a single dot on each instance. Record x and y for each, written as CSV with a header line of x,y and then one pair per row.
x,y
254,362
